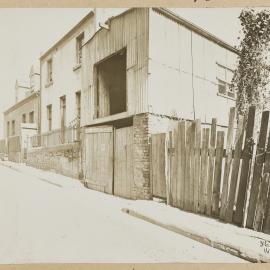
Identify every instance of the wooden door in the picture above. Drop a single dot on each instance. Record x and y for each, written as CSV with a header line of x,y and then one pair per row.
x,y
123,162
99,158
63,117
158,165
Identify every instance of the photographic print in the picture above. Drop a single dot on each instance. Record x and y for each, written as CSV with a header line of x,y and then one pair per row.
x,y
134,135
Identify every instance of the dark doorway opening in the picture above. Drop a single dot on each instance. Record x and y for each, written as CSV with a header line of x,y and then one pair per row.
x,y
111,85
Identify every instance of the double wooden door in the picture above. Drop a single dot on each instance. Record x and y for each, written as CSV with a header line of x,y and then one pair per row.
x,y
109,160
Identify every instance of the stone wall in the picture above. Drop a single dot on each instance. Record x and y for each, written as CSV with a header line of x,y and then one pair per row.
x,y
62,159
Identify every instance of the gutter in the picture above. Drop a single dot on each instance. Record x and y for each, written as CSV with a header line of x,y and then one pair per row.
x,y
175,17
21,102
67,35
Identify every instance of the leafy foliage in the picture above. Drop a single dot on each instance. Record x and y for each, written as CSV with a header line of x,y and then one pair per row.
x,y
251,78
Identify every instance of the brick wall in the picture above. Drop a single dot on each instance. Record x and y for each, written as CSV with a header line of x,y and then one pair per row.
x,y
141,157
62,159
143,126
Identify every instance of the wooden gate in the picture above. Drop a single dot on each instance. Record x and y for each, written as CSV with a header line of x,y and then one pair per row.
x,y
123,162
158,163
99,158
14,149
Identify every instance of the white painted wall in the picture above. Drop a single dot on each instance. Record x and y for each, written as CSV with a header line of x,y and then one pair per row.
x,y
25,107
66,81
171,83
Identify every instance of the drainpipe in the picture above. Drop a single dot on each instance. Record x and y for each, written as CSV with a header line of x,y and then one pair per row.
x,y
39,106
192,80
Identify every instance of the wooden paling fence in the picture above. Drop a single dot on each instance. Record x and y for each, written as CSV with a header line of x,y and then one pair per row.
x,y
200,176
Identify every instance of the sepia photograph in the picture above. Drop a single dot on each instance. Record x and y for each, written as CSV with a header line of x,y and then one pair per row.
x,y
134,135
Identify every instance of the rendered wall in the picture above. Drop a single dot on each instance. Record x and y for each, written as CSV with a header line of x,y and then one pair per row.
x,y
16,114
66,78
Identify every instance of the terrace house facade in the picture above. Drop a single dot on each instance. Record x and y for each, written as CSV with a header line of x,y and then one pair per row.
x,y
120,80
57,146
22,118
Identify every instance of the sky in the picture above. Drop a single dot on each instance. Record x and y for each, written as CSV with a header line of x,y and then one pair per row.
x,y
27,33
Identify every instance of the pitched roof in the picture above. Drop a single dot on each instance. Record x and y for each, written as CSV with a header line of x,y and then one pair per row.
x,y
68,34
175,17
21,102
163,11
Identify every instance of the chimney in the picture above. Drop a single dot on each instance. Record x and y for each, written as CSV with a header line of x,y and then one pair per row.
x,y
34,77
20,91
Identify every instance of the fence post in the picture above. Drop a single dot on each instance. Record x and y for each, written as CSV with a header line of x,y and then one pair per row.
x,y
187,203
182,163
168,142
197,159
258,165
261,203
211,166
173,150
247,153
235,169
204,171
218,173
228,161
192,165
266,221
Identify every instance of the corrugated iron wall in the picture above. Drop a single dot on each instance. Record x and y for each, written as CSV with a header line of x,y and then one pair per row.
x,y
128,30
183,72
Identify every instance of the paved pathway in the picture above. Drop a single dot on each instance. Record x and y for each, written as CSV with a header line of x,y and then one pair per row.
x,y
41,222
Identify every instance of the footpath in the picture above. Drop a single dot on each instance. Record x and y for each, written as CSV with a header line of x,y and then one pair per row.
x,y
245,243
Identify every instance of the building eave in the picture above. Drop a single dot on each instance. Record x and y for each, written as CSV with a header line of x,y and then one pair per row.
x,y
108,22
25,87
67,35
202,32
21,102
175,17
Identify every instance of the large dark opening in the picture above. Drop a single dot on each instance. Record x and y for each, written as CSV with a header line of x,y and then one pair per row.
x,y
111,85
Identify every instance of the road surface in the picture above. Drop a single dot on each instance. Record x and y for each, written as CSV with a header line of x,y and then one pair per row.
x,y
41,222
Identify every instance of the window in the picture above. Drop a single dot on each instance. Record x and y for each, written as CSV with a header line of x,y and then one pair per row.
x,y
49,117
78,105
224,79
24,118
79,43
8,129
13,127
31,117
49,71
78,112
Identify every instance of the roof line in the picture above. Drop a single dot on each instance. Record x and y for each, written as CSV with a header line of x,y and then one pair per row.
x,y
69,33
21,102
107,22
21,86
172,15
